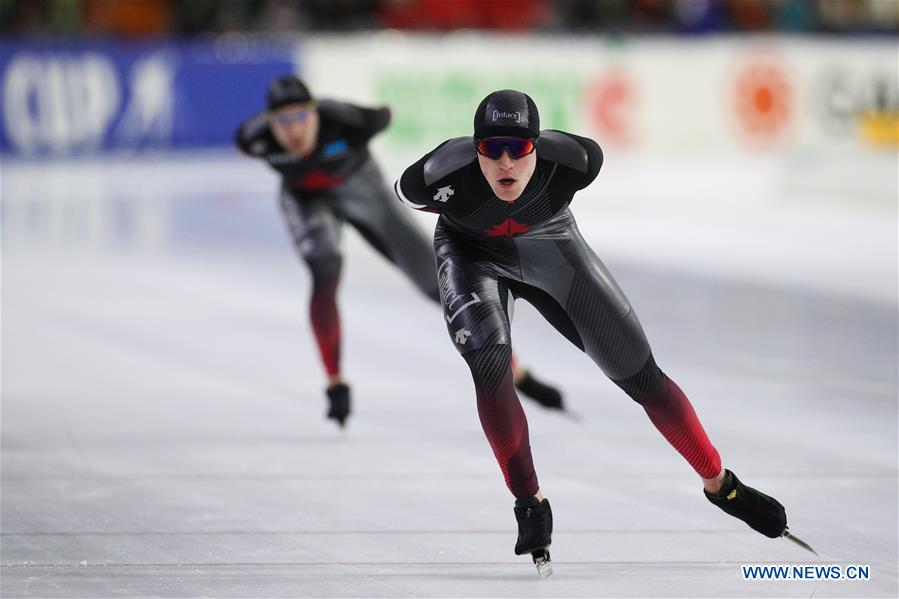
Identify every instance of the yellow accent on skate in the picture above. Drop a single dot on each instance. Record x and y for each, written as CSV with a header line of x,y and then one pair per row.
x,y
732,494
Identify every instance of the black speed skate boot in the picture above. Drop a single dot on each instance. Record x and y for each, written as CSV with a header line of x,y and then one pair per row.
x,y
535,529
339,399
543,394
762,513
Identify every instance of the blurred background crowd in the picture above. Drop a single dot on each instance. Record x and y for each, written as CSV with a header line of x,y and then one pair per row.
x,y
186,18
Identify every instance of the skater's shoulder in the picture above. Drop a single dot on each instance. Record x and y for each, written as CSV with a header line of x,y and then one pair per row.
x,y
254,126
254,135
450,156
359,122
436,170
342,112
330,108
565,149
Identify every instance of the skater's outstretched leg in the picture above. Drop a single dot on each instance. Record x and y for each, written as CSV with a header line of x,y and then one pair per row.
x,y
325,319
316,230
672,414
323,313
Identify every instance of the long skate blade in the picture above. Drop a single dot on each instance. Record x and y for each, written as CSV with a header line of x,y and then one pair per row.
x,y
545,569
791,537
543,563
573,416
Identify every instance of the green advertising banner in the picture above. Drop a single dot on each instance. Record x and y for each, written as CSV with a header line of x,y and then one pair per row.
x,y
431,108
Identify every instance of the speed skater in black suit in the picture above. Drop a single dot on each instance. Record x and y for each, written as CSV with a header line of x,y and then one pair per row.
x,y
504,232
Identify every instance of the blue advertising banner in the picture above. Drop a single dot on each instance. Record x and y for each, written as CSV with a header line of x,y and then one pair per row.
x,y
84,97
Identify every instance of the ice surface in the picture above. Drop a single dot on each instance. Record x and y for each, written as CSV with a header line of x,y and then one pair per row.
x,y
162,406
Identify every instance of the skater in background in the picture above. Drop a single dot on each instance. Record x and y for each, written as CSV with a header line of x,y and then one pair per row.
x,y
505,231
320,148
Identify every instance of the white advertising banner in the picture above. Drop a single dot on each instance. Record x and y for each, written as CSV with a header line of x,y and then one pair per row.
x,y
703,95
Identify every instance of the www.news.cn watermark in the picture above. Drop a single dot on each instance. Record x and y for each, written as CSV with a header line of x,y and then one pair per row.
x,y
806,572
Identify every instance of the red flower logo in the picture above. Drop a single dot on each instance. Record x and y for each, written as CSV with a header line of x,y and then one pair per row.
x,y
764,100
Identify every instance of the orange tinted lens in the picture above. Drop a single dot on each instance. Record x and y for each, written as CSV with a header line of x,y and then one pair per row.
x,y
524,147
492,147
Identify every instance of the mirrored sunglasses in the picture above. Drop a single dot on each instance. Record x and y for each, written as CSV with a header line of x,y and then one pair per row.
x,y
492,147
289,117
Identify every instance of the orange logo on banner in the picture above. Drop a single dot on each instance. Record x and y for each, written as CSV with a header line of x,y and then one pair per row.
x,y
764,100
610,101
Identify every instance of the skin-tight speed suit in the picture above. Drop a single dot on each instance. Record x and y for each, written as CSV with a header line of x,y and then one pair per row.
x,y
339,182
490,251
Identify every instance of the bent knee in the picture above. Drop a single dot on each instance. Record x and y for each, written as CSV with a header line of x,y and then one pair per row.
x,y
646,384
325,270
488,366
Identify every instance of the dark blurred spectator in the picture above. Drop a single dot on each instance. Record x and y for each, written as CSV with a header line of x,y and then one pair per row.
x,y
342,15
793,15
188,18
41,17
193,17
580,15
883,15
650,15
465,14
860,15
23,16
750,15
700,16
840,15
122,18
281,16
127,18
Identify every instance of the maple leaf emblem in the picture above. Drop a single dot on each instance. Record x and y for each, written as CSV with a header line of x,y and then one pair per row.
x,y
319,179
507,228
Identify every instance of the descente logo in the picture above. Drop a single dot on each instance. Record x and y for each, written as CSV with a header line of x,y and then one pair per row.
x,y
506,115
283,158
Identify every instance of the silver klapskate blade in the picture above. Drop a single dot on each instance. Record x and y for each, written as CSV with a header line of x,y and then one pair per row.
x,y
790,536
544,568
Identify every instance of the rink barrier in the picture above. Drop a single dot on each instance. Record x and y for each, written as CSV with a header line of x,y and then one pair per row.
x,y
740,94
64,98
689,96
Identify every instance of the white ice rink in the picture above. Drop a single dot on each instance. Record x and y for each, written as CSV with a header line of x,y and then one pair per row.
x,y
162,404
